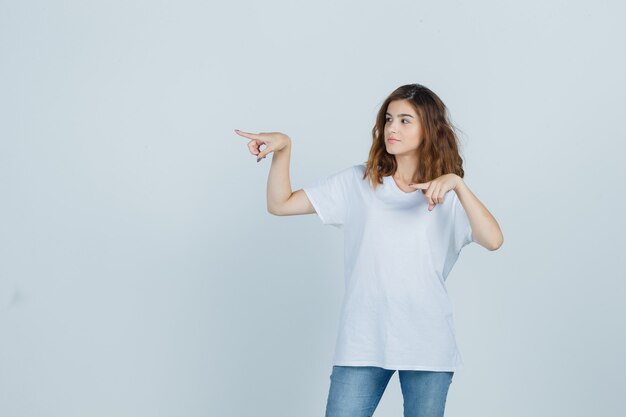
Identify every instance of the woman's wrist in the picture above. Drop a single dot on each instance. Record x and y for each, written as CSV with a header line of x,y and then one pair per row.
x,y
459,184
287,145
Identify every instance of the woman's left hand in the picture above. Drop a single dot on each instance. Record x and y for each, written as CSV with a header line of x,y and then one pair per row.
x,y
434,190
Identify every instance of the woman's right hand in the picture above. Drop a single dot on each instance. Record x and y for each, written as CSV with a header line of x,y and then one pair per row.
x,y
274,141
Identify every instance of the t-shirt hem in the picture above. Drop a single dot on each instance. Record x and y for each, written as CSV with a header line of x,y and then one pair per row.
x,y
400,367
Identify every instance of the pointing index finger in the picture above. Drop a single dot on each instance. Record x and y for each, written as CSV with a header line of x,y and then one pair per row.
x,y
246,134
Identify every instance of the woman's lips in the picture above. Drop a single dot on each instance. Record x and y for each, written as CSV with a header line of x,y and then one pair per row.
x,y
392,140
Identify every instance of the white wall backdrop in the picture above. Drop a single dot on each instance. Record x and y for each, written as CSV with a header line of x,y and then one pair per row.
x,y
141,275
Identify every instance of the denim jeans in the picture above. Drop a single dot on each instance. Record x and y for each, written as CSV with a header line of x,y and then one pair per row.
x,y
356,390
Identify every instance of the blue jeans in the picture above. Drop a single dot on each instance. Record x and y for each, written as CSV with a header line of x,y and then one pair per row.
x,y
356,390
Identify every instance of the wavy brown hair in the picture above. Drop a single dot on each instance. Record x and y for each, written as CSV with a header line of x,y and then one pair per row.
x,y
438,151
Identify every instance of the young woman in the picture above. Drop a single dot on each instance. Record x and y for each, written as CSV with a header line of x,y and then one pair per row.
x,y
400,246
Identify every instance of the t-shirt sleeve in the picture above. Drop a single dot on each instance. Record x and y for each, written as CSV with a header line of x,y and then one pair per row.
x,y
462,230
330,197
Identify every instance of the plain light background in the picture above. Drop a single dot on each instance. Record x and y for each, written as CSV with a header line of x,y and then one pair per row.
x,y
141,275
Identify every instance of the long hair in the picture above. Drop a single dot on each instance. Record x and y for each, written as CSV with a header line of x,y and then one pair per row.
x,y
438,151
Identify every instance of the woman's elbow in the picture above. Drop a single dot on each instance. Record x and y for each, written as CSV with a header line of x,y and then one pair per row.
x,y
496,245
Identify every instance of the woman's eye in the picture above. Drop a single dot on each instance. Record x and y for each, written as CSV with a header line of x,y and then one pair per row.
x,y
389,120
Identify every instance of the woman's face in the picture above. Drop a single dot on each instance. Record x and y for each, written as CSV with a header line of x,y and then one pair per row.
x,y
402,124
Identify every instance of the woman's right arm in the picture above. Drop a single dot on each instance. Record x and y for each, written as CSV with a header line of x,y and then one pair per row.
x,y
281,201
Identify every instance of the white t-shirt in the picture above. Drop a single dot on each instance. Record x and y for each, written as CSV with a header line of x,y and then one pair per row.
x,y
396,313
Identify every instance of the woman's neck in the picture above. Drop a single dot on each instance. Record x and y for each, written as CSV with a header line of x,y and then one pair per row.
x,y
406,170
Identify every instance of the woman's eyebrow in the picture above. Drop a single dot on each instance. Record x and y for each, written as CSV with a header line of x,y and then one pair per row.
x,y
402,114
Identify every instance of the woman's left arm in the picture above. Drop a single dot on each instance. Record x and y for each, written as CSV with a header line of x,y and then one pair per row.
x,y
485,229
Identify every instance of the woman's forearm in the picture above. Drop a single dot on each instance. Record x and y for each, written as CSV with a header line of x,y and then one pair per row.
x,y
278,182
485,228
